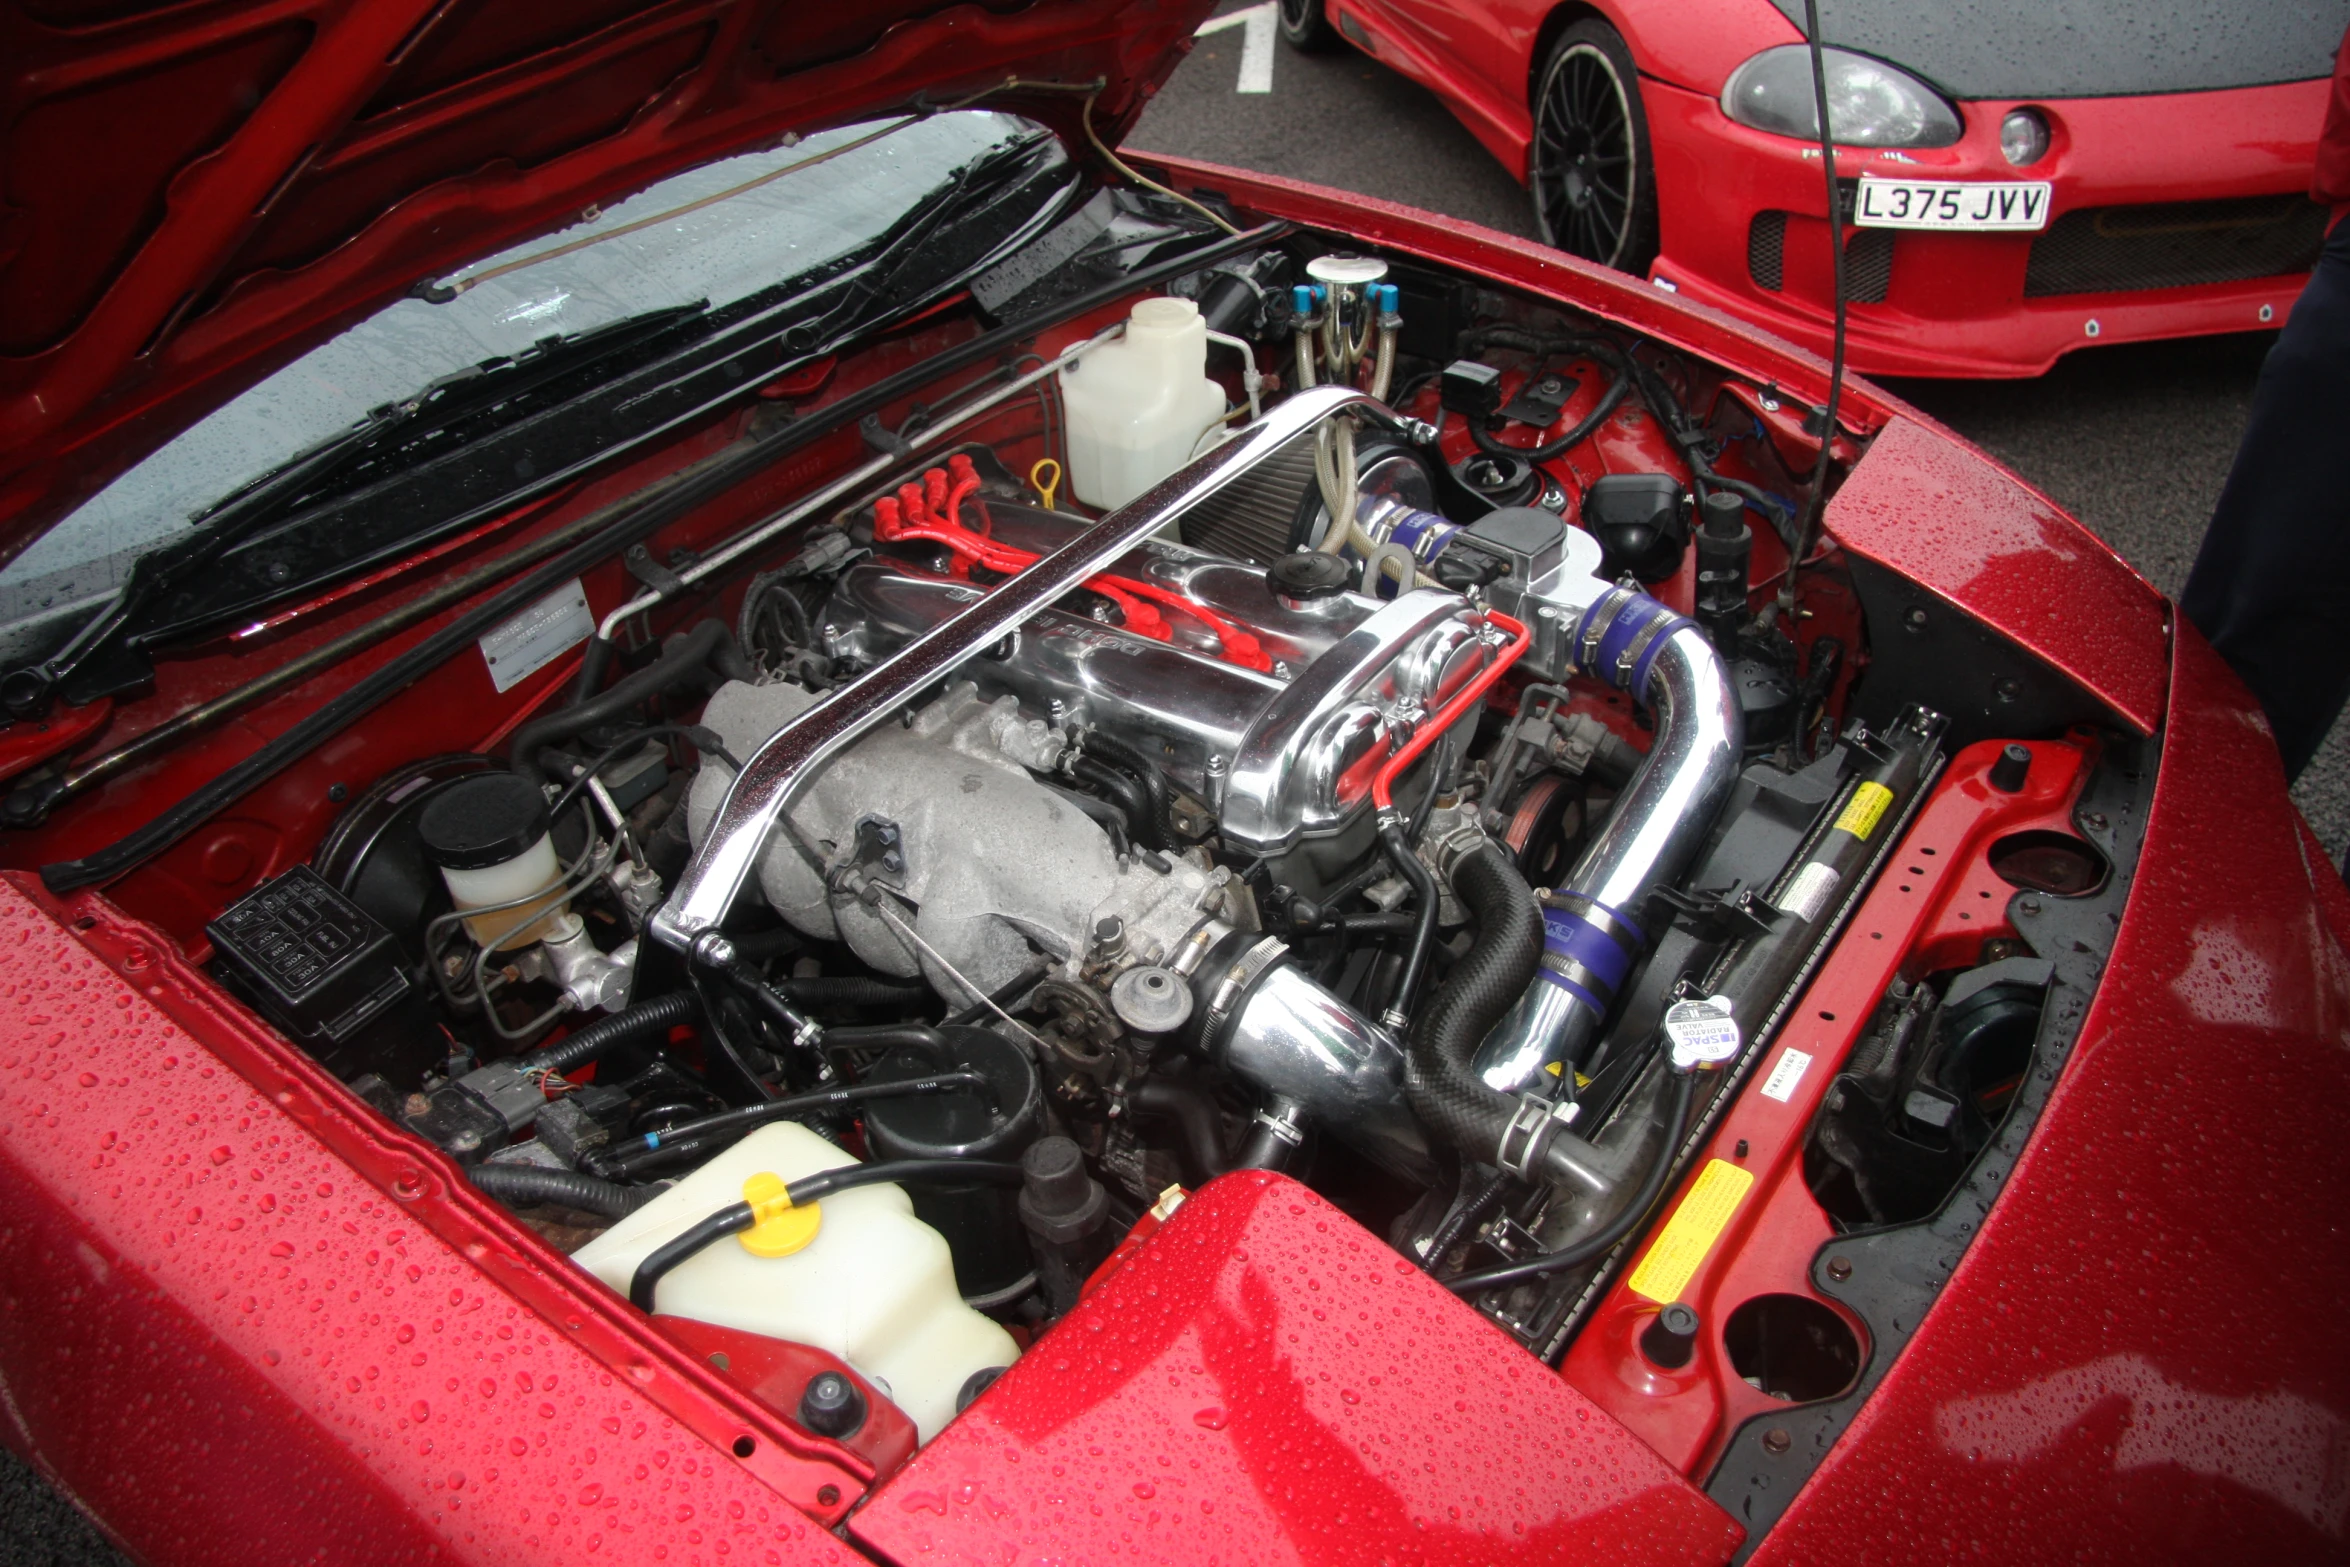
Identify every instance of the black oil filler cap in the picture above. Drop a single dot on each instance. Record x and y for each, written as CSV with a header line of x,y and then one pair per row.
x,y
1304,575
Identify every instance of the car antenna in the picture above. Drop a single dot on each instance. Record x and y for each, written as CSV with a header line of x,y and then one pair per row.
x,y
1808,525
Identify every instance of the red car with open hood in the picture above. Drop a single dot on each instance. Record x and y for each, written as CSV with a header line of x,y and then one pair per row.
x,y
752,811
2018,179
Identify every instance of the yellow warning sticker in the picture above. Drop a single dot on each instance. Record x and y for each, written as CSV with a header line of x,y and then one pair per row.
x,y
1864,810
1665,1272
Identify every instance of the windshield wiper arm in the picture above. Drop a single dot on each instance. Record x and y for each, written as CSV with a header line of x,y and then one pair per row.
x,y
283,492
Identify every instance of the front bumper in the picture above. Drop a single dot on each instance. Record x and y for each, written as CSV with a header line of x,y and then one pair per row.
x,y
1976,304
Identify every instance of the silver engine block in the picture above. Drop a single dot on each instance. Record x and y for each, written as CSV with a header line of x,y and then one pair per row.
x,y
987,866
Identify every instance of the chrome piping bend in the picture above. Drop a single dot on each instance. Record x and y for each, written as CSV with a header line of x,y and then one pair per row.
x,y
706,891
1591,924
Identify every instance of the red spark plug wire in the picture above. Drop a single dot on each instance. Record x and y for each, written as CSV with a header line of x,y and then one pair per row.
x,y
931,511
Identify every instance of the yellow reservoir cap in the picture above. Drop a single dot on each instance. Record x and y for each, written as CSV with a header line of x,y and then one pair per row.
x,y
778,1229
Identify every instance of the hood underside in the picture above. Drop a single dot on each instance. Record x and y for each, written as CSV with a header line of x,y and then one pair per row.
x,y
194,193
2089,48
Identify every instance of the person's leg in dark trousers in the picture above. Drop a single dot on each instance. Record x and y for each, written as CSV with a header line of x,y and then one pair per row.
x,y
2271,585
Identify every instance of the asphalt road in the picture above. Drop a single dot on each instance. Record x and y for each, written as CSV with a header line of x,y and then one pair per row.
x,y
2134,440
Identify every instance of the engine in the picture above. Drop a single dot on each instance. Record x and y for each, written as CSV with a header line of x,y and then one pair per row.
x,y
1052,822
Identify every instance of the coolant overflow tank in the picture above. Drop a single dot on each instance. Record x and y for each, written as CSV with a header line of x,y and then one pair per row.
x,y
1137,407
876,1286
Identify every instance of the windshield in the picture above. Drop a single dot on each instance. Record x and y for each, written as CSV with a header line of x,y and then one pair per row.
x,y
719,254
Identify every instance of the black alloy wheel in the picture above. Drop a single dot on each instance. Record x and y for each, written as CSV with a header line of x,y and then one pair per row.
x,y
1305,28
1593,185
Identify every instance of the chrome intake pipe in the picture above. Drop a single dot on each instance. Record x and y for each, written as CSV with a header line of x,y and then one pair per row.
x,y
1592,930
1318,1061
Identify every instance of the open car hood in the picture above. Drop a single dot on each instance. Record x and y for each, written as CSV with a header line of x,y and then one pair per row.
x,y
196,194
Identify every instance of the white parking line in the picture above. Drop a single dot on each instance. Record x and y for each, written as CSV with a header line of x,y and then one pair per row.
x,y
1256,44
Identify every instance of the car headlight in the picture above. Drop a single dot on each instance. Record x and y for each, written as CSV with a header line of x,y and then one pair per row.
x,y
1870,103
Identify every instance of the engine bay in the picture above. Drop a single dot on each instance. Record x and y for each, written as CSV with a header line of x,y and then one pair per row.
x,y
1319,715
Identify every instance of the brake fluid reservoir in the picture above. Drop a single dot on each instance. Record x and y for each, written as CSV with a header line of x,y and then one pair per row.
x,y
876,1286
1137,407
488,835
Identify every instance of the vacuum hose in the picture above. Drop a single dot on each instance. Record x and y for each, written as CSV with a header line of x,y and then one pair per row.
x,y
646,1020
706,649
524,1184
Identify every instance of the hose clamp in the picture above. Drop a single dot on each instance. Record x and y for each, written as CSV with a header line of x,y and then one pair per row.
x,y
1522,1140
1287,1124
1596,621
1236,981
1628,662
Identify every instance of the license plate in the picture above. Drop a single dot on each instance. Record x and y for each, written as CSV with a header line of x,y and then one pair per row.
x,y
1972,205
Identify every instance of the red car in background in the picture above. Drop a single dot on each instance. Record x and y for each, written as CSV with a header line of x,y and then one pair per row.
x,y
2154,159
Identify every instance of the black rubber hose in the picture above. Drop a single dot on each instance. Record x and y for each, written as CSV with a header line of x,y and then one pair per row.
x,y
519,1185
762,947
702,740
1115,819
1439,1075
1154,786
1194,1115
1538,344
595,661
735,1218
1631,375
954,1172
732,1219
726,1071
1120,790
1424,892
1377,924
1652,1186
779,1011
1265,1149
728,660
646,1020
656,1149
918,1037
1682,431
685,657
1546,451
633,520
853,990
1614,759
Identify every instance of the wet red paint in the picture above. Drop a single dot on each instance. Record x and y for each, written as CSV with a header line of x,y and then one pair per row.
x,y
28,744
227,1343
1928,505
2143,1312
777,1372
1267,1382
2136,1359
